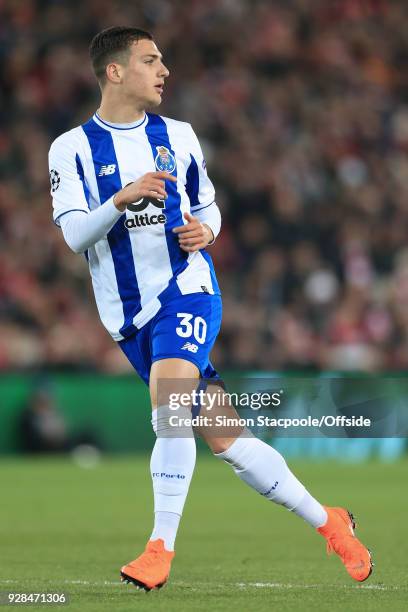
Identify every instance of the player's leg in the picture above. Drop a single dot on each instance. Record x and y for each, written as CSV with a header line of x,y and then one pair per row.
x,y
258,464
181,337
265,470
174,453
172,465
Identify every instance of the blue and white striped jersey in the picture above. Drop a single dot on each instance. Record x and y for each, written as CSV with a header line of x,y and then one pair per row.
x,y
138,265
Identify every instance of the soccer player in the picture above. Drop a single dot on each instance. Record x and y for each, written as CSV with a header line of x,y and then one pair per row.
x,y
130,190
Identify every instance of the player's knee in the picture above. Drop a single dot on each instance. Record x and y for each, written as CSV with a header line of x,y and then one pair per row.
x,y
171,377
219,445
167,424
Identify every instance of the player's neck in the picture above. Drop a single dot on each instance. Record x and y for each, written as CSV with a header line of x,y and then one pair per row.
x,y
115,111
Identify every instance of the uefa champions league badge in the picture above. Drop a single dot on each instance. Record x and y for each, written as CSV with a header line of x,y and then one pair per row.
x,y
164,160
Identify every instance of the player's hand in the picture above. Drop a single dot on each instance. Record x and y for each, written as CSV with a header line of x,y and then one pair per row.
x,y
194,235
151,184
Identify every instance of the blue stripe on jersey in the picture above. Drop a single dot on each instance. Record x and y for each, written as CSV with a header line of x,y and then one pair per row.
x,y
156,132
80,171
192,182
103,154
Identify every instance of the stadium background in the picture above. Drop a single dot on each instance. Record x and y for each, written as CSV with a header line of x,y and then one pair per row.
x,y
302,110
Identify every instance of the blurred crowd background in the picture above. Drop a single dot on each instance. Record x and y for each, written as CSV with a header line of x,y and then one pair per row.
x,y
302,111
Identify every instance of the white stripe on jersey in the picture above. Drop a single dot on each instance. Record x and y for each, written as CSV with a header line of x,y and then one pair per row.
x,y
196,276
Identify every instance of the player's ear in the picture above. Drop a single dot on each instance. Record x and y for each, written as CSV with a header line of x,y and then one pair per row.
x,y
114,72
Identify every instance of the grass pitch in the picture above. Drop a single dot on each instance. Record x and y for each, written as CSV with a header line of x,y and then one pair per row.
x,y
67,529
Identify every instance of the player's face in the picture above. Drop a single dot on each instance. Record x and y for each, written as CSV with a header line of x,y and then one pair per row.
x,y
144,74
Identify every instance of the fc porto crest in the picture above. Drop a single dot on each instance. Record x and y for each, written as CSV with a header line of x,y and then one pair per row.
x,y
164,160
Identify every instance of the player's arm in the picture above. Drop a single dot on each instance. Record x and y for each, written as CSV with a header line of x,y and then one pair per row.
x,y
70,198
210,216
204,223
200,230
81,232
68,191
81,227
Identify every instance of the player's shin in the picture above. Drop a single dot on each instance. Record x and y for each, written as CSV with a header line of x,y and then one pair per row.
x,y
172,465
266,471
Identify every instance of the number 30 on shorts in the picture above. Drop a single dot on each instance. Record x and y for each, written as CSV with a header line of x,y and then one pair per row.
x,y
192,326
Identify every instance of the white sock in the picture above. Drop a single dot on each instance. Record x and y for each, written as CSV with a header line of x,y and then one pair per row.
x,y
311,511
165,527
266,471
171,465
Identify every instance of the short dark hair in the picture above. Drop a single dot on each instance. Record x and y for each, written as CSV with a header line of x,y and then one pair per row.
x,y
113,44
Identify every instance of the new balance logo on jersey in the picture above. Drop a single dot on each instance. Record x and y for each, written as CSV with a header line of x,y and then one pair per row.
x,y
106,170
189,346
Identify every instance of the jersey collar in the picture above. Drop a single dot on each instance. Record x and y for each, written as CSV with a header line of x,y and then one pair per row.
x,y
119,126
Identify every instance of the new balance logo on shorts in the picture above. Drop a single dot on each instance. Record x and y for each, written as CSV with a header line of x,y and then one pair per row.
x,y
189,346
106,170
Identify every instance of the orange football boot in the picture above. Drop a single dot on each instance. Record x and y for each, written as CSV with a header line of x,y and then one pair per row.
x,y
151,569
339,533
